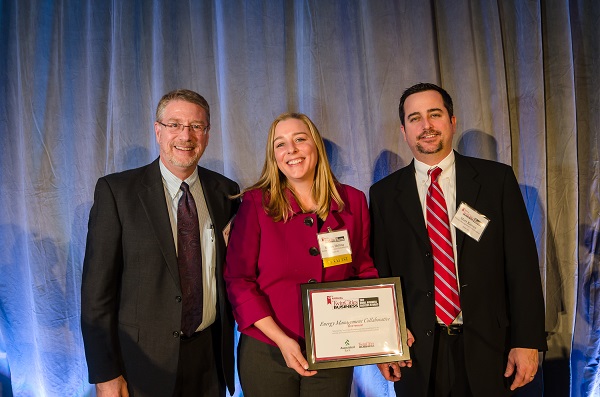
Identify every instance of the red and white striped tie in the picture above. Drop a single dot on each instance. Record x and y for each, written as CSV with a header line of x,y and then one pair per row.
x,y
447,303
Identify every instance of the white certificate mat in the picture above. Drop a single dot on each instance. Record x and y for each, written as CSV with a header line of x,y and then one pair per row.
x,y
356,322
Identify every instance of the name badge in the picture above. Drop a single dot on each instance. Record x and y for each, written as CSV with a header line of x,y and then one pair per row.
x,y
469,221
335,248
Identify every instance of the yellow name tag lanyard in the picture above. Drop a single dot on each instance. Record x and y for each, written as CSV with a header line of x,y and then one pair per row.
x,y
335,247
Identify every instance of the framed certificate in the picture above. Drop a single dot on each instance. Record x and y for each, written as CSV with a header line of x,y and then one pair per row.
x,y
356,322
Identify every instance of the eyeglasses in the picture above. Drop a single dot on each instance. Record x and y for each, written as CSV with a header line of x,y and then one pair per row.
x,y
177,127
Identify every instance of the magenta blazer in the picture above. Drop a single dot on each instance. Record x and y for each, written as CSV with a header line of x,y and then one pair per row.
x,y
267,261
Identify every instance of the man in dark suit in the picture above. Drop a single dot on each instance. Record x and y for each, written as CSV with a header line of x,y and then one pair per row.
x,y
140,338
477,314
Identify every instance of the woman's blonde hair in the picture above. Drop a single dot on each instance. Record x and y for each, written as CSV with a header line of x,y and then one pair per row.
x,y
273,183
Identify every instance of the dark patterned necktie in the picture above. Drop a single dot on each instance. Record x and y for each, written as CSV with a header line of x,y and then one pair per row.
x,y
447,303
189,259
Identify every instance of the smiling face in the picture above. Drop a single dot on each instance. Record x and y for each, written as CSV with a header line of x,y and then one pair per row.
x,y
181,150
428,129
295,151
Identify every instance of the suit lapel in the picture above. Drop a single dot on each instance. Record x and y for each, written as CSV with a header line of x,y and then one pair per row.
x,y
152,197
215,205
334,219
211,187
409,203
467,190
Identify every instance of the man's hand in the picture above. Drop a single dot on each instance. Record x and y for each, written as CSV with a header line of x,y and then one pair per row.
x,y
526,363
113,388
391,371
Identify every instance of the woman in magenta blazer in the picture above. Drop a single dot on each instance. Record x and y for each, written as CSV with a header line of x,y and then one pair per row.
x,y
273,249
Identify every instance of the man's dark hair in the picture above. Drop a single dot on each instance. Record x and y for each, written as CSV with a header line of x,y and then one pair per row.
x,y
420,87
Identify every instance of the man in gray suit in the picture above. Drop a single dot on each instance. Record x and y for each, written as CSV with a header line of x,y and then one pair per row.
x,y
132,302
472,290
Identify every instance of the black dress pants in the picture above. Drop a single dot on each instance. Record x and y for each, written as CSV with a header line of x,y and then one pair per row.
x,y
448,372
197,373
263,373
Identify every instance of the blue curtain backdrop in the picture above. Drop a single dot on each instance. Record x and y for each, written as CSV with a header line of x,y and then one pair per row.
x,y
80,79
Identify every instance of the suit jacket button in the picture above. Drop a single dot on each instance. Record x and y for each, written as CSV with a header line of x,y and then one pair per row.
x,y
178,298
308,221
313,251
429,294
175,334
429,332
428,255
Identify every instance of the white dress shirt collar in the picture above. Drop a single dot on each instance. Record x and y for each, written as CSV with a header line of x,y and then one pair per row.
x,y
172,183
446,164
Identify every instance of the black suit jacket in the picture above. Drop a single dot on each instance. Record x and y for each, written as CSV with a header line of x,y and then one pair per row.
x,y
130,310
500,287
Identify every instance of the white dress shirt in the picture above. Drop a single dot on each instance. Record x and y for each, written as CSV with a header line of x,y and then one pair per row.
x,y
173,193
447,181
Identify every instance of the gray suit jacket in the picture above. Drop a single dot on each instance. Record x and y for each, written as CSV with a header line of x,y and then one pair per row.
x,y
130,305
501,296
